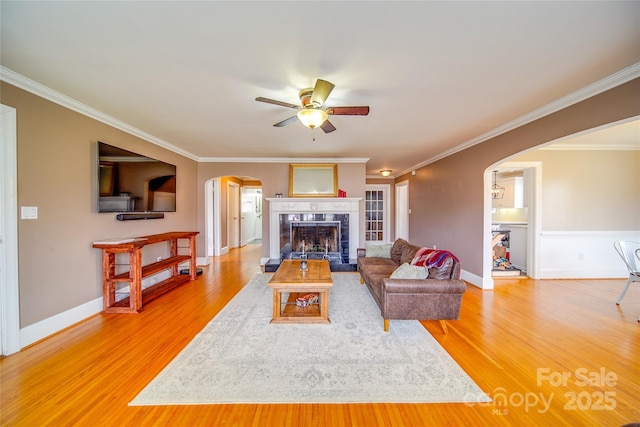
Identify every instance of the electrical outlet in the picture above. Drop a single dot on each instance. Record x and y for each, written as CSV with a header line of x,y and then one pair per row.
x,y
580,256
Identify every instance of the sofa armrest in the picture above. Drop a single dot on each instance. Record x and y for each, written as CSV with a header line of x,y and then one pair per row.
x,y
423,286
362,252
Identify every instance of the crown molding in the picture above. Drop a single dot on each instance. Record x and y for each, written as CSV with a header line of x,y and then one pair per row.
x,y
616,79
49,94
283,159
623,76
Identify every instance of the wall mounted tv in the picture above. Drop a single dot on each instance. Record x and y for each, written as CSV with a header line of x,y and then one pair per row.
x,y
130,182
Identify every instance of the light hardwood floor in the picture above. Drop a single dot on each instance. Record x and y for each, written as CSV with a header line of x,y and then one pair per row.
x,y
550,352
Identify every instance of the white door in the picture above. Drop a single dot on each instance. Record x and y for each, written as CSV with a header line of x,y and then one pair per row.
x,y
402,210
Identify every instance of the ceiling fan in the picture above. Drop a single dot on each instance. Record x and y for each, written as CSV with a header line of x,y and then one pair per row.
x,y
311,109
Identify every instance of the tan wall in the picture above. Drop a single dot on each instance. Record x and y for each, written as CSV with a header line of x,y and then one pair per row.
x,y
589,190
60,270
57,158
275,179
447,197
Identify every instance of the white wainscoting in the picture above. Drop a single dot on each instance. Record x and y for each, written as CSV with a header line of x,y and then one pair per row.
x,y
582,254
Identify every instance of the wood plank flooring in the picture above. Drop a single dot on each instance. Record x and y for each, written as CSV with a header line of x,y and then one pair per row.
x,y
549,352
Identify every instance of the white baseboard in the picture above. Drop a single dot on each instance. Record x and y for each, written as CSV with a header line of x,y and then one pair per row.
x,y
475,280
56,323
201,261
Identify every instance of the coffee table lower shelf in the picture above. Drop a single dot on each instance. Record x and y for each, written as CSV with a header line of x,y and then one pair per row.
x,y
291,310
292,313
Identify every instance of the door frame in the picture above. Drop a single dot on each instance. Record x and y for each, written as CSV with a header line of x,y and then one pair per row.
x,y
534,218
212,217
386,222
9,283
233,215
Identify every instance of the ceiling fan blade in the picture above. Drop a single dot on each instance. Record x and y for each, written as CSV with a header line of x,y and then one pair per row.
x,y
281,103
348,111
327,126
286,121
321,91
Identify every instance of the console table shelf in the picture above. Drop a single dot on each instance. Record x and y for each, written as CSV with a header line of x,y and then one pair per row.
x,y
133,247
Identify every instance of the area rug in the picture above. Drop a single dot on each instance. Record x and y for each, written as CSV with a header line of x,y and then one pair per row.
x,y
239,357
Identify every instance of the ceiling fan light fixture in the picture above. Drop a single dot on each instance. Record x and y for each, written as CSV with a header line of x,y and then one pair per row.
x,y
312,117
385,172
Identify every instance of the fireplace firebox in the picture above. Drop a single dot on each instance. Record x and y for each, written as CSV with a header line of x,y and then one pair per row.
x,y
317,236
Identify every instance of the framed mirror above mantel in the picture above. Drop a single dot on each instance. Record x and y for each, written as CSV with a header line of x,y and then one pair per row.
x,y
313,180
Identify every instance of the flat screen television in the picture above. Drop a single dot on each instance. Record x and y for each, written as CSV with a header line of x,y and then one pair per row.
x,y
130,182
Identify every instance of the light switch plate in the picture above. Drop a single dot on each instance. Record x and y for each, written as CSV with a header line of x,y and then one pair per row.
x,y
29,212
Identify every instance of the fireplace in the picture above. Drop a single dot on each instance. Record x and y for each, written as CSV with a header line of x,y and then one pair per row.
x,y
327,228
318,236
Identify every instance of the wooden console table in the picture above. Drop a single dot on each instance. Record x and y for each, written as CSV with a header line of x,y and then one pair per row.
x,y
133,247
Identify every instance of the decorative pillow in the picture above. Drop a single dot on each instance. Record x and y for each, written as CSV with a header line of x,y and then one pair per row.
x,y
438,262
380,251
443,272
407,271
397,249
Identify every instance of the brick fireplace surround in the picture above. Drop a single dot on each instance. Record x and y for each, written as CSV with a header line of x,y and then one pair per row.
x,y
311,209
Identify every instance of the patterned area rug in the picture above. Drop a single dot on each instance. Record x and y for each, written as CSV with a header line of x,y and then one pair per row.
x,y
239,357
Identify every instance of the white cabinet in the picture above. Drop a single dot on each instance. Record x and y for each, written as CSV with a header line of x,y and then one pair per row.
x,y
513,193
518,245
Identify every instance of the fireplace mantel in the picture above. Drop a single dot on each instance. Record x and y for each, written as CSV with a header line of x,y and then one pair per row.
x,y
292,205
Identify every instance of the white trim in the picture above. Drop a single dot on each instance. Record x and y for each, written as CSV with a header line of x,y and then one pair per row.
x,y
338,205
476,280
9,276
283,159
203,260
58,322
558,144
609,82
534,211
591,147
212,217
583,254
404,211
36,88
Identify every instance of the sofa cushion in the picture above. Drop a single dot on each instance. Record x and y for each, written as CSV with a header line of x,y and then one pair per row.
x,y
397,249
408,271
364,263
409,253
378,250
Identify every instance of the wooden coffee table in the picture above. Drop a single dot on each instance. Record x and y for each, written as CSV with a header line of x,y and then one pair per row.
x,y
290,279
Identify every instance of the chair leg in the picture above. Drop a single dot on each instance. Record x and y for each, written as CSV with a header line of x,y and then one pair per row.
x,y
444,327
624,291
361,280
386,325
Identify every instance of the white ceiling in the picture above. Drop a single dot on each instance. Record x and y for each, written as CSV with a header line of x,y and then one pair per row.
x,y
437,75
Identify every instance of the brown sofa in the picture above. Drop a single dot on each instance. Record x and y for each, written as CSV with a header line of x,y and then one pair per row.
x,y
437,297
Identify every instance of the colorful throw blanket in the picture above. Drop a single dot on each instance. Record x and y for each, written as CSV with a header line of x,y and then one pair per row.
x,y
431,257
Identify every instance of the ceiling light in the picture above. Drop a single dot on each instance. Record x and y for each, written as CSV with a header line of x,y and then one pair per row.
x,y
497,192
312,117
385,172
